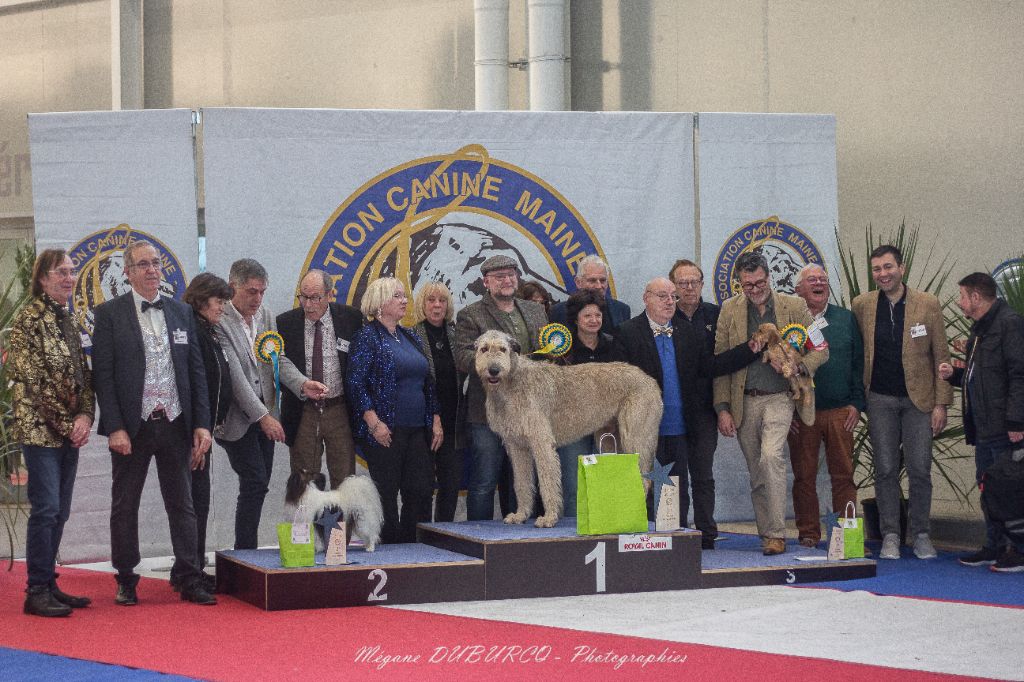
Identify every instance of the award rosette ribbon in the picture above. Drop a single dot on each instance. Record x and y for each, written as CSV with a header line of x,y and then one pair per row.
x,y
555,340
268,349
795,335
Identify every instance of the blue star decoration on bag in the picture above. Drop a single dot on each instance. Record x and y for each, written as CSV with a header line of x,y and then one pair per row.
x,y
659,477
831,520
328,520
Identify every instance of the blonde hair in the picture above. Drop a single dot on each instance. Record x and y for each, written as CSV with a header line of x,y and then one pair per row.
x,y
377,294
428,289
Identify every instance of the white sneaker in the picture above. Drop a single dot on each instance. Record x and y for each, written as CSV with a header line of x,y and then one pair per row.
x,y
890,547
923,548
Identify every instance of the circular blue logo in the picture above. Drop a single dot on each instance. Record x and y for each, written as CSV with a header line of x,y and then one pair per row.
x,y
438,218
99,259
786,248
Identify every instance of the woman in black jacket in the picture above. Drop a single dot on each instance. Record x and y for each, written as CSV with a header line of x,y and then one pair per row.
x,y
208,294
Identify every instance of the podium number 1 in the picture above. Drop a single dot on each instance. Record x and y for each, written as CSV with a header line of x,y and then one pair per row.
x,y
598,555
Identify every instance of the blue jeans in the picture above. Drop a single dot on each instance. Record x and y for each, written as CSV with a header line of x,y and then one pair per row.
x,y
51,480
252,458
487,455
567,457
986,452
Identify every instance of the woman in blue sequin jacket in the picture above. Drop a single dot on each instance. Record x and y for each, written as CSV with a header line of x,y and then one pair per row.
x,y
391,393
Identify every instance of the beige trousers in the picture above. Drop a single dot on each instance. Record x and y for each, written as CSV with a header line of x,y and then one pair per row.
x,y
762,436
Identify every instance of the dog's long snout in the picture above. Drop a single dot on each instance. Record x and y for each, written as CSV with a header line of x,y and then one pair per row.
x,y
494,370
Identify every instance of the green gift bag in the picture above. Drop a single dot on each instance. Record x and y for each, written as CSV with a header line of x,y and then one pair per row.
x,y
295,554
853,533
847,539
610,495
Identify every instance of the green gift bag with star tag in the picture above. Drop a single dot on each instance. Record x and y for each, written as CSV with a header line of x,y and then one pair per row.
x,y
610,495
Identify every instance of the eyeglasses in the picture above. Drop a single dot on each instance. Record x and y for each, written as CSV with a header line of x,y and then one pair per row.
x,y
751,286
310,299
816,280
689,283
64,272
146,265
663,297
502,275
401,297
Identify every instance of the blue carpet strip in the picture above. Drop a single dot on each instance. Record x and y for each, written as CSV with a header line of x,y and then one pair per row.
x,y
29,666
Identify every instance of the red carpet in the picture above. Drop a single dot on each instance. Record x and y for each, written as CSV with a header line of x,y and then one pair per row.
x,y
235,641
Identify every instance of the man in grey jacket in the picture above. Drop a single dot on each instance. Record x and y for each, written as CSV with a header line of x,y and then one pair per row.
x,y
498,309
251,426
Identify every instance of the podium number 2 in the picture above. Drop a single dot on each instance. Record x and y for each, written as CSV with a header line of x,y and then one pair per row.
x,y
598,555
376,595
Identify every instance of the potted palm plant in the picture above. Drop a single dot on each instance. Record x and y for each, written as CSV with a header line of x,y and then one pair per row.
x,y
947,446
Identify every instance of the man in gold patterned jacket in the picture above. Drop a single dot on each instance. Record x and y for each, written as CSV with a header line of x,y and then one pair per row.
x,y
53,413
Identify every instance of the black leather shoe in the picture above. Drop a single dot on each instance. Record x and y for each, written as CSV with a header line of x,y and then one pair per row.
x,y
126,595
707,543
197,594
209,583
68,599
40,602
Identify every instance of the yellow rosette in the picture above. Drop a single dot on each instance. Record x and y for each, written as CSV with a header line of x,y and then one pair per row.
x,y
268,348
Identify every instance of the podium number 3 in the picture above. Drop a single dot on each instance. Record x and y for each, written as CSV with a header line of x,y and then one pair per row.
x,y
376,595
598,555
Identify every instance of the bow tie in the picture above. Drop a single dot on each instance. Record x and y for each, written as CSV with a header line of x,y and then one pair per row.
x,y
663,331
159,305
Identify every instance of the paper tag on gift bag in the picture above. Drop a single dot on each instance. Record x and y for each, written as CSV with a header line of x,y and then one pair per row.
x,y
668,507
336,546
300,533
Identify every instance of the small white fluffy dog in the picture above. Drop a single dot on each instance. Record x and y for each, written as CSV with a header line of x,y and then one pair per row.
x,y
357,497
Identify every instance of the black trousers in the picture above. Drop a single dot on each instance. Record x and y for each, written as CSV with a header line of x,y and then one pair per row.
x,y
701,443
405,468
170,445
252,458
448,472
201,506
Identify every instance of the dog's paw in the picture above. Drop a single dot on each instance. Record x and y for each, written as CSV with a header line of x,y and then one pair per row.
x,y
546,521
515,518
370,547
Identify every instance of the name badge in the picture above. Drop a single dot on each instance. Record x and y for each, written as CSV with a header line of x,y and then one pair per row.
x,y
180,336
918,330
341,345
814,332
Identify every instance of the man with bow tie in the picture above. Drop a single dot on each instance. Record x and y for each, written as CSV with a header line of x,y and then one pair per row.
x,y
754,403
150,385
682,363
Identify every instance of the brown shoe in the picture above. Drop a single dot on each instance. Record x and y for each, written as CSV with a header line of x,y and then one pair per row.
x,y
773,546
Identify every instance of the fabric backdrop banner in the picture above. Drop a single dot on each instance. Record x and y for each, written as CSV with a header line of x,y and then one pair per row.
x,y
428,195
767,182
100,181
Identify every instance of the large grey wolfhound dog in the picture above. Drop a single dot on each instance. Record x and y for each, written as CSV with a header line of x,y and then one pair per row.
x,y
536,406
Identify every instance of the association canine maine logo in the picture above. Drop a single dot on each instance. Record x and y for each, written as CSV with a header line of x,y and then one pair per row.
x,y
438,218
786,248
102,277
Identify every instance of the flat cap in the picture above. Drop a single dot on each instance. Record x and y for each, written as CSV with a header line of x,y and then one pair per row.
x,y
498,262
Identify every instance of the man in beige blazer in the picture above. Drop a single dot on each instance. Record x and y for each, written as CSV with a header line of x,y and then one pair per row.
x,y
904,344
754,403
